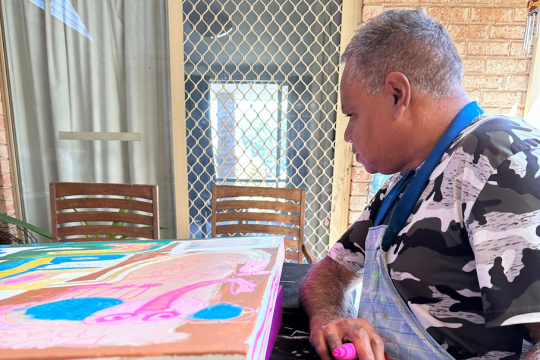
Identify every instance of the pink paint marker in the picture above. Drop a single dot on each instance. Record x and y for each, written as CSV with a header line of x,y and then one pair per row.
x,y
347,351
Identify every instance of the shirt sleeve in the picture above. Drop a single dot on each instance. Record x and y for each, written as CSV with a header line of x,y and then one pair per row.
x,y
349,250
504,232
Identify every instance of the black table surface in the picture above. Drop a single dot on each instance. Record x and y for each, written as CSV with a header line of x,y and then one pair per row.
x,y
293,339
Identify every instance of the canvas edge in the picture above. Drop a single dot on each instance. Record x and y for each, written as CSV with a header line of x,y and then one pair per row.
x,y
258,345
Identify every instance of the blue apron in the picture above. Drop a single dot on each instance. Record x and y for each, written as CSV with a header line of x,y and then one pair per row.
x,y
381,305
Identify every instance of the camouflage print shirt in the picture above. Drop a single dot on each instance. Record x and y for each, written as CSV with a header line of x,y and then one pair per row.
x,y
467,261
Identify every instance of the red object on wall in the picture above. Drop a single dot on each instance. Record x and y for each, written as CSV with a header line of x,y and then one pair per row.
x,y
532,5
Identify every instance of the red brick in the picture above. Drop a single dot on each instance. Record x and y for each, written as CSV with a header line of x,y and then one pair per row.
x,y
3,152
507,32
468,31
492,110
2,137
370,11
520,14
2,123
4,166
475,95
516,49
386,1
463,2
487,48
353,215
7,207
6,194
436,2
474,65
458,14
1,107
359,189
505,98
398,7
359,174
491,14
517,82
511,2
357,203
5,180
483,82
461,47
506,111
507,66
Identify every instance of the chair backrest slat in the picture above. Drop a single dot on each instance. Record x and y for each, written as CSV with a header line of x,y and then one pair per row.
x,y
227,191
247,216
71,189
271,206
69,205
104,216
93,230
101,203
251,204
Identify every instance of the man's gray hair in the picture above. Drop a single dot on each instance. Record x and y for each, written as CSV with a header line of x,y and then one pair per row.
x,y
409,42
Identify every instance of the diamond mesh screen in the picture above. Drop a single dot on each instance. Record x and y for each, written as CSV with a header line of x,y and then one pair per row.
x,y
261,92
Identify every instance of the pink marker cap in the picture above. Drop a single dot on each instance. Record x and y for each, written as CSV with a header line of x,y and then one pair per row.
x,y
346,351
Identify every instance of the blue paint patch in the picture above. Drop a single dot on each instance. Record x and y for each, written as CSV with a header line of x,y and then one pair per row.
x,y
71,309
221,311
14,264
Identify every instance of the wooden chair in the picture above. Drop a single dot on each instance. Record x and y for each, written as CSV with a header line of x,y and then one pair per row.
x,y
247,214
77,203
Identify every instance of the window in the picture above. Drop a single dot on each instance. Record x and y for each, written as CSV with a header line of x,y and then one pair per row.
x,y
249,132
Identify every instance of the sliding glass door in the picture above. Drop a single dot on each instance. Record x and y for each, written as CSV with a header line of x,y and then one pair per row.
x,y
90,90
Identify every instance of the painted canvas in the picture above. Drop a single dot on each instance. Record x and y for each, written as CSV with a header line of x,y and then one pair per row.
x,y
166,299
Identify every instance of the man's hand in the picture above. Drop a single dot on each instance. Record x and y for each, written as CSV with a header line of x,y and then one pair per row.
x,y
326,336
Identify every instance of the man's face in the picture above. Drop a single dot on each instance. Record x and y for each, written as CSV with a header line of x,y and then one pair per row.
x,y
371,127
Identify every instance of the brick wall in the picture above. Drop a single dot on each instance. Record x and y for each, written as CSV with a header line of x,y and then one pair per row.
x,y
6,192
489,36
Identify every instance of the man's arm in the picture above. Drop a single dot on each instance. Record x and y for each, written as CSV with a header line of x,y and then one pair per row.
x,y
324,291
323,295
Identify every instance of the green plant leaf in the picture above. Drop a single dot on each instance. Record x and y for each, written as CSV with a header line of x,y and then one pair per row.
x,y
23,224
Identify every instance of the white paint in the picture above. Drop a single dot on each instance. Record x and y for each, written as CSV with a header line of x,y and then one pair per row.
x,y
180,248
5,294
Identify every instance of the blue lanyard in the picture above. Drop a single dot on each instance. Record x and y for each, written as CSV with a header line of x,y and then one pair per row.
x,y
412,192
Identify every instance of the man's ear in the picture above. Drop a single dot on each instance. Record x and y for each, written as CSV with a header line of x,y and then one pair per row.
x,y
398,90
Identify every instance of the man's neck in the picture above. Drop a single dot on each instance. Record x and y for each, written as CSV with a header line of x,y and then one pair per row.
x,y
432,119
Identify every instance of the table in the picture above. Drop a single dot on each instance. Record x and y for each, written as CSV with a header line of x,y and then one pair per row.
x,y
293,339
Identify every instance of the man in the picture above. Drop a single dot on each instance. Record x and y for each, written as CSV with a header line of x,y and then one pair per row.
x,y
449,248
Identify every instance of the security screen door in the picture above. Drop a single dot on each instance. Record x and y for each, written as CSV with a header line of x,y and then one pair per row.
x,y
261,87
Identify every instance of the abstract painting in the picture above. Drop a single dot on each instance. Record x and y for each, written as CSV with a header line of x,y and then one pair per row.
x,y
139,298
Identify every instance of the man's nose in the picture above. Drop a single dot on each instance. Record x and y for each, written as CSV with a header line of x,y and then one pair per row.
x,y
348,133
